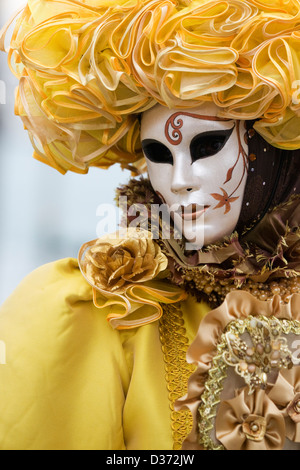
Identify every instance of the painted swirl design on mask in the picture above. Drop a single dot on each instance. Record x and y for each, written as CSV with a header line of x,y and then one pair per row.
x,y
174,136
175,123
225,200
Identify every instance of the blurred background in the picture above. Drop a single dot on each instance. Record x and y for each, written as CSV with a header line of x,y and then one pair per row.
x,y
44,216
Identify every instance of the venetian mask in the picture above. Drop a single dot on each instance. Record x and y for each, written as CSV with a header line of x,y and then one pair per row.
x,y
197,163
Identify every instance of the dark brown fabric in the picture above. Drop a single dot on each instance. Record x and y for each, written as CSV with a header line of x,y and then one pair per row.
x,y
274,175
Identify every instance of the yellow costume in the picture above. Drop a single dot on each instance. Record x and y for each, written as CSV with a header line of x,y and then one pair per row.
x,y
73,382
96,349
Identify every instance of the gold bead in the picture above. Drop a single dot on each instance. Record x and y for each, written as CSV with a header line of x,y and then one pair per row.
x,y
254,427
275,290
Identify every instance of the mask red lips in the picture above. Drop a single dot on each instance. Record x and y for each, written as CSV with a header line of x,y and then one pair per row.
x,y
193,211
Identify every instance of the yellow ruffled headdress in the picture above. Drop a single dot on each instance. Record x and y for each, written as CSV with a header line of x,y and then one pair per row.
x,y
88,68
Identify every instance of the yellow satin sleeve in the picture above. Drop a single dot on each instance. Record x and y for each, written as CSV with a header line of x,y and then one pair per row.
x,y
72,382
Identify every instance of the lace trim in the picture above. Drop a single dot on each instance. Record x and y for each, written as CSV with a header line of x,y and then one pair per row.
x,y
211,397
175,343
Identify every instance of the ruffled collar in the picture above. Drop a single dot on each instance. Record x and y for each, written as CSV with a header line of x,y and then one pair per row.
x,y
264,260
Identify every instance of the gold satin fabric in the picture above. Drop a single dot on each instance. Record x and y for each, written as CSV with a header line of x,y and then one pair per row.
x,y
71,381
86,69
239,305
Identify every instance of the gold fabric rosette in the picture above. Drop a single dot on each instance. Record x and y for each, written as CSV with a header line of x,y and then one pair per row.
x,y
286,395
87,69
127,272
250,422
245,392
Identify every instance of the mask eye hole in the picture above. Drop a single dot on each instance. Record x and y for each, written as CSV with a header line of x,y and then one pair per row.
x,y
157,152
208,144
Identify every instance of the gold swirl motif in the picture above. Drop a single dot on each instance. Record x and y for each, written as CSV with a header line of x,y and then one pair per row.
x,y
175,343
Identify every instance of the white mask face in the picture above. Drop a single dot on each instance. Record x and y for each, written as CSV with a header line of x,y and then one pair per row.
x,y
197,163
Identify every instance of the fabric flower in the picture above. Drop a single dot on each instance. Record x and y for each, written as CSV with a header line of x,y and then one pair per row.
x,y
238,305
113,263
286,395
269,252
86,69
127,273
250,422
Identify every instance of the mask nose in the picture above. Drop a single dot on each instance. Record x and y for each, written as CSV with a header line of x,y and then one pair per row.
x,y
176,189
182,178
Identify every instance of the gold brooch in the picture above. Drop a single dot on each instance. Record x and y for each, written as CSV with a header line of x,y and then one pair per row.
x,y
264,349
